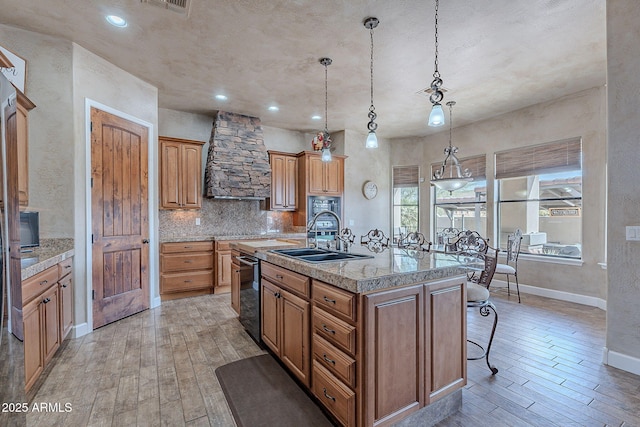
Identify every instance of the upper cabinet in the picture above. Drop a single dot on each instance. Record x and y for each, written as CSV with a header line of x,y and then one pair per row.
x,y
284,176
20,125
180,173
323,178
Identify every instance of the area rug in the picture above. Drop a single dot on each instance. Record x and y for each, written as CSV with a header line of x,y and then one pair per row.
x,y
261,393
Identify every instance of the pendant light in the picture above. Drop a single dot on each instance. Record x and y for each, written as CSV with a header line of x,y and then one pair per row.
x,y
436,118
372,139
450,177
326,138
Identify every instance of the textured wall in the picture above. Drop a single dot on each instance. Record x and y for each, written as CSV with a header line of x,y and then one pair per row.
x,y
50,127
578,115
98,80
623,50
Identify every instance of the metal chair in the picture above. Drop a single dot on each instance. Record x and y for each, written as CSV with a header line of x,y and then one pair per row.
x,y
511,267
414,240
478,297
447,237
469,241
375,240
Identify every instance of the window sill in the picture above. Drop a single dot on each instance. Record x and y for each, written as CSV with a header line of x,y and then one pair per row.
x,y
550,260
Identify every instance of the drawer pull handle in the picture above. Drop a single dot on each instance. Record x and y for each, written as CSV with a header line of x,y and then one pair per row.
x,y
187,247
44,282
326,359
279,276
46,300
64,286
331,331
324,390
329,300
67,266
188,261
187,281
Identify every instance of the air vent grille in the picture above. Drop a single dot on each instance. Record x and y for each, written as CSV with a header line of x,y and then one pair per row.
x,y
180,6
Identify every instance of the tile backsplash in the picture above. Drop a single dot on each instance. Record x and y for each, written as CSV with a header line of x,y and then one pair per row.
x,y
225,218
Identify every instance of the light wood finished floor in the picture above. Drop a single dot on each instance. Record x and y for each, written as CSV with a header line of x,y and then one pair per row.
x,y
157,368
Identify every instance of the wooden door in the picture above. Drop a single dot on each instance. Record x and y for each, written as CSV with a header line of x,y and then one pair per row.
x,y
51,322
278,181
295,336
170,189
33,359
290,181
66,306
270,324
333,177
191,165
224,271
120,223
236,271
316,175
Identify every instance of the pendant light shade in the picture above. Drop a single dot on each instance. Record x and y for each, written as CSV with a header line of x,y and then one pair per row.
x,y
326,138
436,118
372,138
450,176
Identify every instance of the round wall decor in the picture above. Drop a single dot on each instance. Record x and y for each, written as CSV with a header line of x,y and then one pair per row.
x,y
370,189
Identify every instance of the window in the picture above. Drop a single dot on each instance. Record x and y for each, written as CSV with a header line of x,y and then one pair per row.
x,y
405,200
540,192
466,208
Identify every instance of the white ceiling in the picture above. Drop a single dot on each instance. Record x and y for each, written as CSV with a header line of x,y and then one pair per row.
x,y
495,55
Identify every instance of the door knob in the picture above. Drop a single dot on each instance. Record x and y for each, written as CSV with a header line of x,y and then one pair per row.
x,y
145,241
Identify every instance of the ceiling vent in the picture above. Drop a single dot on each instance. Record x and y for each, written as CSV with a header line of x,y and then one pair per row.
x,y
180,6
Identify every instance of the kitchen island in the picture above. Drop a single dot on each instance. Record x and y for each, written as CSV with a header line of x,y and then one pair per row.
x,y
378,341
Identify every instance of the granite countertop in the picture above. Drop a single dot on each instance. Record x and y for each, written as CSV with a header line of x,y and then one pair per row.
x,y
391,268
49,253
204,238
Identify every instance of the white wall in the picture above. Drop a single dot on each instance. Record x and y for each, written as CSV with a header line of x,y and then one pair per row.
x,y
623,63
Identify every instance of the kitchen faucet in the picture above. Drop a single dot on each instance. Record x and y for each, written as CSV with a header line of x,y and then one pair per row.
x,y
312,226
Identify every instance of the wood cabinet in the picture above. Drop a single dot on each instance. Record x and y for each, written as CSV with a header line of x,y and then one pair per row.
x,y
24,105
284,177
186,269
47,316
285,320
223,267
180,173
317,178
236,279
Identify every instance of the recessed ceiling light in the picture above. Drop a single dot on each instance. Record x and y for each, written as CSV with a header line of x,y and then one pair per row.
x,y
273,108
316,117
221,97
116,21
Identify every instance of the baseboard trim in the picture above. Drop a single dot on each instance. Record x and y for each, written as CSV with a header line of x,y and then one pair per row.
x,y
80,330
621,361
552,293
155,302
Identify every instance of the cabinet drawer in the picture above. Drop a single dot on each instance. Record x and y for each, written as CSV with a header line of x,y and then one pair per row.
x,y
288,279
337,362
334,395
35,285
167,248
335,299
223,245
334,330
65,267
188,281
186,262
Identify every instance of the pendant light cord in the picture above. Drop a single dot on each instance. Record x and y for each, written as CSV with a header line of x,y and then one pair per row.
x,y
436,73
326,95
372,23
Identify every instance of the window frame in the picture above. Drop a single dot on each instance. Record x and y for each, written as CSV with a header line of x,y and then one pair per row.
x,y
414,171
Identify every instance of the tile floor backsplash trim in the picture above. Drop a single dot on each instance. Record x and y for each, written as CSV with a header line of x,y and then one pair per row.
x,y
224,217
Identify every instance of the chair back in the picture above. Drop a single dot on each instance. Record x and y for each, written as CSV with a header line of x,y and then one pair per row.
x,y
490,262
471,242
375,240
513,247
414,240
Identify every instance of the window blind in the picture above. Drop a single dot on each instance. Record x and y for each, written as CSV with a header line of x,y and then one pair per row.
x,y
406,176
476,164
551,157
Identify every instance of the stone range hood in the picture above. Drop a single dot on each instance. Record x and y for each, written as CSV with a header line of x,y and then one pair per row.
x,y
237,163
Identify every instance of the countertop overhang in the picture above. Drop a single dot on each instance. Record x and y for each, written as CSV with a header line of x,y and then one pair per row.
x,y
394,267
49,253
205,238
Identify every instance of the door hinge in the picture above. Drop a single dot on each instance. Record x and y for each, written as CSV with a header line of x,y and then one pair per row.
x,y
92,239
91,182
93,294
91,126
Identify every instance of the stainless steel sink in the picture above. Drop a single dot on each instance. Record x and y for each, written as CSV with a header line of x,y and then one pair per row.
x,y
319,255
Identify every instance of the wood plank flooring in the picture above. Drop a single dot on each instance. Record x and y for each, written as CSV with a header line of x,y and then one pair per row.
x,y
157,368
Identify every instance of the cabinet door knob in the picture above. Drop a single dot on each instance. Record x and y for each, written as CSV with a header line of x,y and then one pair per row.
x,y
145,241
46,300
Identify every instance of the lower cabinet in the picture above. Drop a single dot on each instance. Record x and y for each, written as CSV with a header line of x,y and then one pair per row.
x,y
47,317
236,278
375,358
186,269
222,283
285,326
